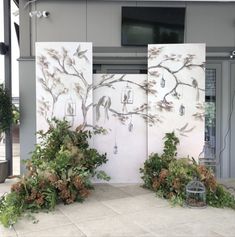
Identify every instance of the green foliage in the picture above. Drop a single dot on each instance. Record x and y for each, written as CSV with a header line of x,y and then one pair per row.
x,y
16,114
6,113
11,207
168,177
220,198
156,163
170,146
60,170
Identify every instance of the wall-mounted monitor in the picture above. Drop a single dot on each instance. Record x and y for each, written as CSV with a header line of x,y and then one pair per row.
x,y
152,25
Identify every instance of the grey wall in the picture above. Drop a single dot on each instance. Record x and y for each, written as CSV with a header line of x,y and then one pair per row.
x,y
100,22
27,108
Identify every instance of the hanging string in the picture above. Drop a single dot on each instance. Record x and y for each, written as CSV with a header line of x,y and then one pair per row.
x,y
163,81
115,147
124,99
130,125
182,107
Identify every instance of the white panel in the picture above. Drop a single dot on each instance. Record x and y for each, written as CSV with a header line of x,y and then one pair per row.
x,y
64,83
176,73
120,107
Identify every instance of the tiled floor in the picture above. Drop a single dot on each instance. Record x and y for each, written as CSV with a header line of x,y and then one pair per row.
x,y
124,211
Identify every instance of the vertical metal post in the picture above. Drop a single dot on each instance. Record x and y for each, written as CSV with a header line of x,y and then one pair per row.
x,y
7,41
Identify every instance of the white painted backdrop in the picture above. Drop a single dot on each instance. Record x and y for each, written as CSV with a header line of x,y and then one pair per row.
x,y
136,110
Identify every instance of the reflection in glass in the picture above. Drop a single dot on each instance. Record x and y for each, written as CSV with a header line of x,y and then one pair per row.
x,y
210,119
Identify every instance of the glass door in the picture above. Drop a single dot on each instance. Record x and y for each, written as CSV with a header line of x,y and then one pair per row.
x,y
212,114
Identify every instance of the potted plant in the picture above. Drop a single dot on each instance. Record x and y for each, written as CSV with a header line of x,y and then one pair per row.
x,y
6,119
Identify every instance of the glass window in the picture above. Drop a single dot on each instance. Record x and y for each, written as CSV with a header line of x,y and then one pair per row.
x,y
210,109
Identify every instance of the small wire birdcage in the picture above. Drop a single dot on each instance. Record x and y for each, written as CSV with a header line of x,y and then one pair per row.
x,y
196,194
70,108
127,95
70,111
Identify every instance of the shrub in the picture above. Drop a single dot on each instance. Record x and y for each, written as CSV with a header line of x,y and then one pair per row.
x,y
59,170
155,163
6,113
168,176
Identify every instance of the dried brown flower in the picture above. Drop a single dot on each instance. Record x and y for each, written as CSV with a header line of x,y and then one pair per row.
x,y
156,184
78,183
64,194
52,178
17,187
40,200
163,174
176,184
61,185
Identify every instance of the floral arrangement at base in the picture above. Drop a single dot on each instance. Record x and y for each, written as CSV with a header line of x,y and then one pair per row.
x,y
60,170
168,177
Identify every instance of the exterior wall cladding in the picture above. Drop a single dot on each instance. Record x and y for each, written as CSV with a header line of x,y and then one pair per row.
x,y
99,22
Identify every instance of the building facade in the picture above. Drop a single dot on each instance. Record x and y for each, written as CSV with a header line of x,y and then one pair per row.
x,y
99,22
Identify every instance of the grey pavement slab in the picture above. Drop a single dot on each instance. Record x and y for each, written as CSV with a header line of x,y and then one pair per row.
x,y
124,210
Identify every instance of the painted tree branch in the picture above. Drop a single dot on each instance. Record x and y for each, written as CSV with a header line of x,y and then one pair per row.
x,y
152,119
187,64
51,83
107,82
61,59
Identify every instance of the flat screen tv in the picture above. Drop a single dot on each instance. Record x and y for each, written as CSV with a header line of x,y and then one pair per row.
x,y
152,25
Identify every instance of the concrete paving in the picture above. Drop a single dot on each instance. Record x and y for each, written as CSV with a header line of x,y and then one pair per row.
x,y
229,184
121,210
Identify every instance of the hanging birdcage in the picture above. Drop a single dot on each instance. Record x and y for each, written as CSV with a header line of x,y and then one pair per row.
x,y
70,108
70,111
163,82
207,157
182,110
195,194
115,149
127,95
130,125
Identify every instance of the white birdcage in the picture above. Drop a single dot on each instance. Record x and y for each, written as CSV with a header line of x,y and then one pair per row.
x,y
127,95
182,110
70,108
70,111
163,82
